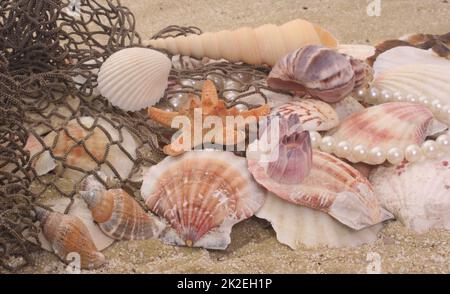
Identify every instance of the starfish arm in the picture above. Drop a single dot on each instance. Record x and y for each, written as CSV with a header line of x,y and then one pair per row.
x,y
209,97
163,117
257,112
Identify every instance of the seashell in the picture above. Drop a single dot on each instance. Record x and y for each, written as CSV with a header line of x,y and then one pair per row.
x,y
263,45
298,226
332,186
201,194
67,234
66,146
119,216
134,78
321,72
347,107
361,52
416,193
388,125
314,115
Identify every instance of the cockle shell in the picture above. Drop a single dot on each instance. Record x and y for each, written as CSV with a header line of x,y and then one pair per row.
x,y
134,78
68,235
319,71
314,115
117,213
263,45
388,125
418,193
79,147
296,225
201,194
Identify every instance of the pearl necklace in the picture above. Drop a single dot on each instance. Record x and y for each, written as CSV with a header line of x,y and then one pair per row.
x,y
376,155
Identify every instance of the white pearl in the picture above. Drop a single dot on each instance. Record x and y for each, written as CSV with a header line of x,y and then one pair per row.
x,y
374,94
445,111
178,99
316,138
230,95
360,94
187,83
424,100
342,149
217,80
198,84
241,107
413,153
377,155
430,149
386,96
399,97
232,85
443,142
411,98
359,153
436,106
394,155
327,144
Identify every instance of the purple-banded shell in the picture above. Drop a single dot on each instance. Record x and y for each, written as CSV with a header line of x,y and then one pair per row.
x,y
321,72
314,115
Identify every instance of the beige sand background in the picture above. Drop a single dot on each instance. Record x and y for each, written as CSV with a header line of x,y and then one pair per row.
x,y
254,248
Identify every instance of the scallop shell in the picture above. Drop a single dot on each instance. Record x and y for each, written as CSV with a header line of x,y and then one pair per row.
x,y
67,234
119,216
134,78
314,115
413,71
418,194
388,125
332,186
298,226
347,107
321,72
201,194
263,45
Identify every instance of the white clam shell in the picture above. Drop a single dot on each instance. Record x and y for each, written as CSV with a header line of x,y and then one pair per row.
x,y
134,78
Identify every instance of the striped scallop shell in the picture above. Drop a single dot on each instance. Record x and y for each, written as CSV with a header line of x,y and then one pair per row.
x,y
118,214
201,194
388,125
332,186
314,115
134,78
418,193
67,235
298,226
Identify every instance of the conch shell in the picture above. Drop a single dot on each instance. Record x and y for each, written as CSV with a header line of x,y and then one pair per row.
x,y
263,45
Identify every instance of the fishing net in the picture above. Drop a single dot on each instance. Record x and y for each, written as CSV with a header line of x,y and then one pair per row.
x,y
51,112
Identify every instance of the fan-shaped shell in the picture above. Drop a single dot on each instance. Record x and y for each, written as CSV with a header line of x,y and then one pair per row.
x,y
388,125
118,214
418,193
297,226
67,234
134,78
201,194
314,115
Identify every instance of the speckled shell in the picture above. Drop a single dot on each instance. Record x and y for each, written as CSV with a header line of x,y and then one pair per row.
x,y
332,186
118,214
134,78
201,194
388,125
321,72
68,234
262,45
314,115
298,226
418,194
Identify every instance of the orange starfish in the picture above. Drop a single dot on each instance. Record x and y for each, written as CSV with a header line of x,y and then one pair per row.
x,y
209,106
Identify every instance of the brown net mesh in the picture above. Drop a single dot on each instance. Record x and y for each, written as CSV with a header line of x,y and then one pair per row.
x,y
56,129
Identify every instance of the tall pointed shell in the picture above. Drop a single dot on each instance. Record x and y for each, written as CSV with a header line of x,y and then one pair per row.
x,y
118,214
418,194
263,45
332,186
388,125
67,234
134,78
201,194
314,115
298,226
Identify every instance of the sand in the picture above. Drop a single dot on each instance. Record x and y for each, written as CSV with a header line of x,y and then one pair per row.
x,y
254,248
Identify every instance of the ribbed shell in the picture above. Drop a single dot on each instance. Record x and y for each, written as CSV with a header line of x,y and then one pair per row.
x,y
332,186
134,78
201,194
388,125
314,115
317,70
418,194
262,45
68,234
298,226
